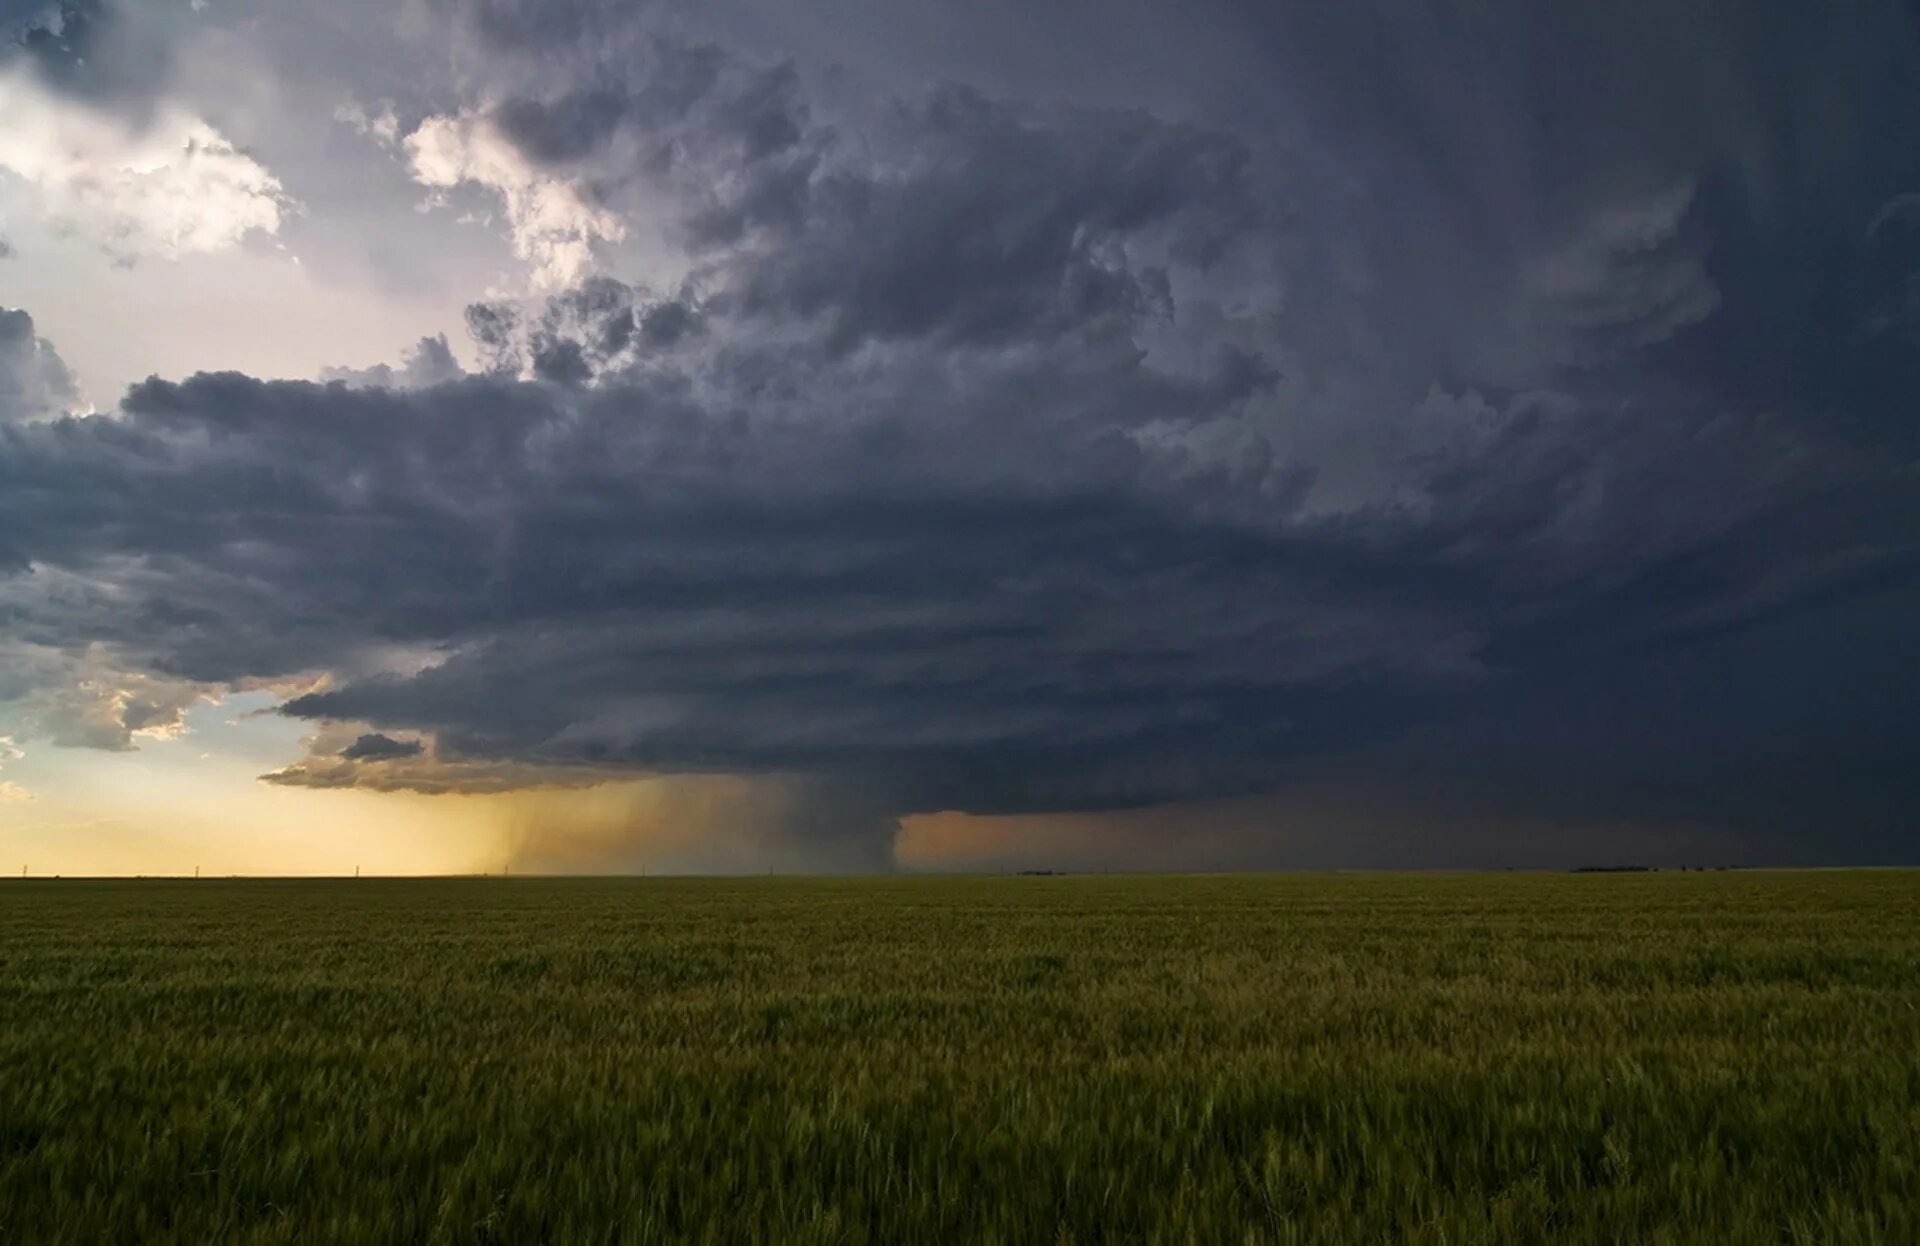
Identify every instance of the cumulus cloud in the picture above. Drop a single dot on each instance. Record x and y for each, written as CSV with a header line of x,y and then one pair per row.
x,y
91,699
163,185
372,746
429,362
600,327
998,224
556,222
34,382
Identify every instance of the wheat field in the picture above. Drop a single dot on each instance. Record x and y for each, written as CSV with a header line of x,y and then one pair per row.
x,y
1665,1057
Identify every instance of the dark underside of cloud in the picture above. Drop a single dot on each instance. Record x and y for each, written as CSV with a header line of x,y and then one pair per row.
x,y
1531,434
372,746
86,48
34,381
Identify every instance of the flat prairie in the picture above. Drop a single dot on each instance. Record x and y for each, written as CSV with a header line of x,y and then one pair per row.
x,y
1719,1057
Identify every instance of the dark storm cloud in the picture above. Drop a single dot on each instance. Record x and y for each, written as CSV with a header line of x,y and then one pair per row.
x,y
600,327
960,217
639,101
957,216
1009,225
1510,409
620,577
87,48
34,381
649,92
1508,130
429,362
372,746
53,34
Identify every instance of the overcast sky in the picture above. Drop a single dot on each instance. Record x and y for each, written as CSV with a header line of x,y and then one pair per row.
x,y
447,434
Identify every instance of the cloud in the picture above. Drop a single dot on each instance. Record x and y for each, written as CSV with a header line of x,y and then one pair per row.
x,y
11,793
429,362
344,755
975,220
381,125
88,50
600,327
165,185
556,222
90,699
640,572
734,517
372,746
54,36
1017,455
34,382
998,224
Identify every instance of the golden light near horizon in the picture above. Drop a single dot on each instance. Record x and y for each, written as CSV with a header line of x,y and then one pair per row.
x,y
194,801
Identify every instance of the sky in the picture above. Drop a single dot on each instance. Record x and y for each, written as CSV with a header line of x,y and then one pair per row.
x,y
603,436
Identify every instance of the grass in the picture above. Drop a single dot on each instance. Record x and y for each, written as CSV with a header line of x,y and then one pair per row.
x,y
1715,1058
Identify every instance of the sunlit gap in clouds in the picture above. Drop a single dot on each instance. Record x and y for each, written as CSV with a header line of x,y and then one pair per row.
x,y
192,799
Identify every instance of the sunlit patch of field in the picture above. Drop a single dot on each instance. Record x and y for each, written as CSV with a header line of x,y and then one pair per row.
x,y
1714,1058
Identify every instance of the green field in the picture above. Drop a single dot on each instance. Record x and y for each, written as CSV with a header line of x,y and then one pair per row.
x,y
1723,1058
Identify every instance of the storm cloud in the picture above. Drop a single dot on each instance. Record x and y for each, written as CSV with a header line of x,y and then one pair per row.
x,y
34,380
1496,412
